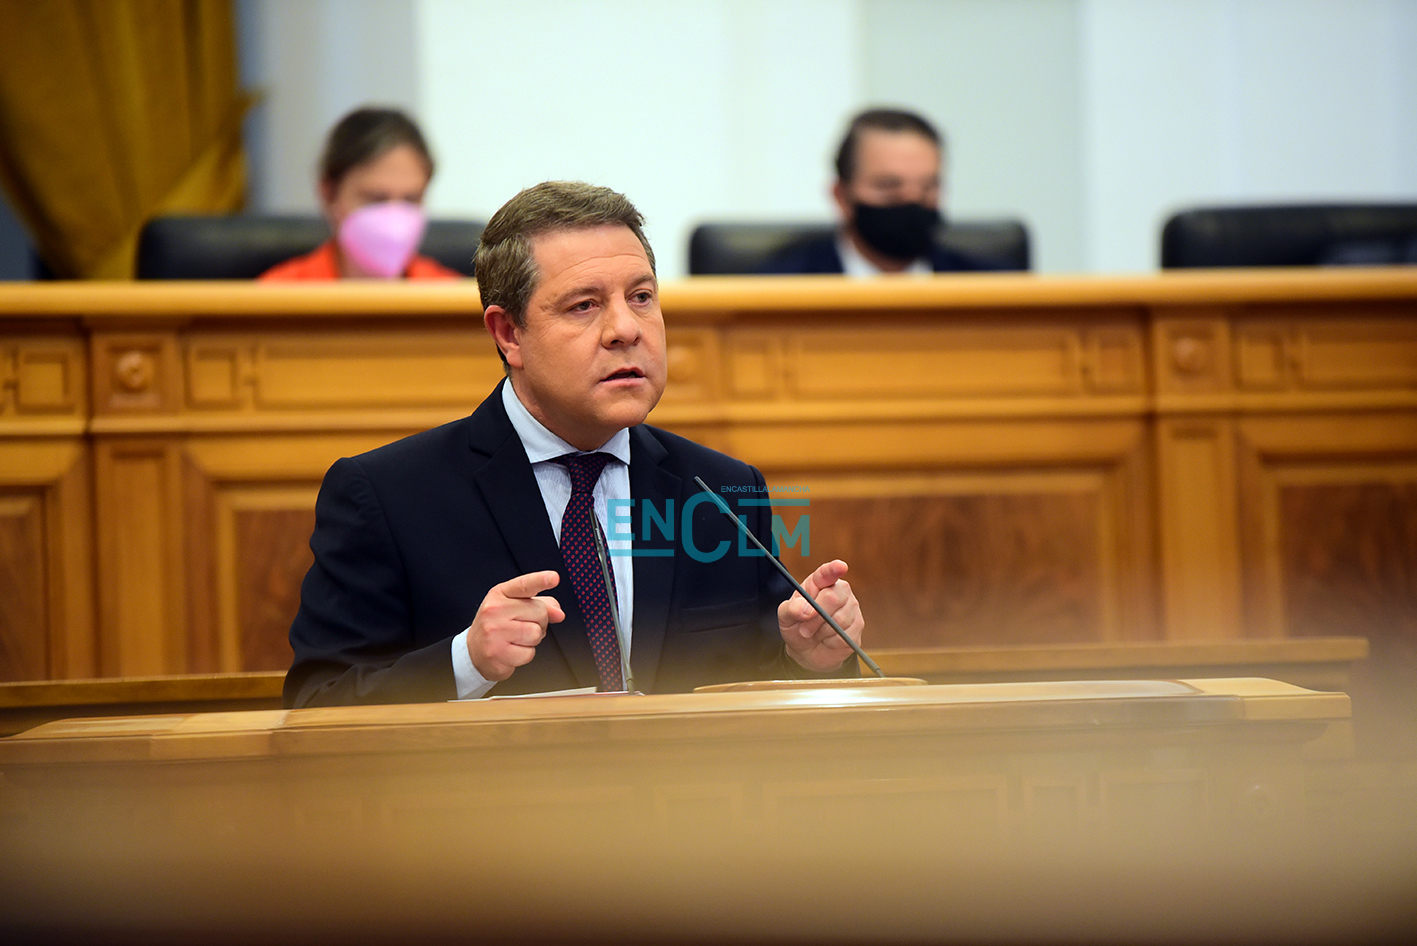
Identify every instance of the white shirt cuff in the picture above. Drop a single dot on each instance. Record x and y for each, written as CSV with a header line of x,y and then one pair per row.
x,y
471,684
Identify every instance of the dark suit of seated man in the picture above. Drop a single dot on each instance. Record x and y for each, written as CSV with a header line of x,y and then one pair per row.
x,y
824,256
887,193
452,563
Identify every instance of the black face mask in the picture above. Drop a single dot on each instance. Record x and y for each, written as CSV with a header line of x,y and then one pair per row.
x,y
901,231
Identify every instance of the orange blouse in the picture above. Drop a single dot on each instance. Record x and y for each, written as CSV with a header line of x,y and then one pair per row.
x,y
322,263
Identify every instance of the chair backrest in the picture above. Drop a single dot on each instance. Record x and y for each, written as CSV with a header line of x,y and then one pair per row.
x,y
1291,235
245,245
745,248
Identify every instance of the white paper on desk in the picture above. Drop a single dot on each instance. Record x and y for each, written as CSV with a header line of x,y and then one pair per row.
x,y
579,691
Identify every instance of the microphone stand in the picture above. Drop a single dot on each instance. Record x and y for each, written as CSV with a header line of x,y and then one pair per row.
x,y
723,508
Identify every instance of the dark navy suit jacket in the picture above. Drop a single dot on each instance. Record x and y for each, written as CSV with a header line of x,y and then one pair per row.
x,y
410,537
821,256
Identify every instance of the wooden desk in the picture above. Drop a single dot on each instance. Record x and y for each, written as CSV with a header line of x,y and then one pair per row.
x,y
1313,663
1004,459
1319,663
1032,811
30,703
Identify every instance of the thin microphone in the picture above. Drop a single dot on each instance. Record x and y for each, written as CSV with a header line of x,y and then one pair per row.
x,y
723,508
600,552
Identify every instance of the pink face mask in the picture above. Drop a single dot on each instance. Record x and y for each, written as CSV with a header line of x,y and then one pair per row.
x,y
380,239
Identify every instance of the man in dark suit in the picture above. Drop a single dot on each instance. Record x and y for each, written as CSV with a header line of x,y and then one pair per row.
x,y
451,563
887,193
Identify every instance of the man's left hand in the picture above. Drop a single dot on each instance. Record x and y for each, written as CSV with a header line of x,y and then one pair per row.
x,y
811,640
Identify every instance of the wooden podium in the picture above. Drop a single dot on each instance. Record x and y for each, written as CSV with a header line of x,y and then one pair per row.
x,y
1035,812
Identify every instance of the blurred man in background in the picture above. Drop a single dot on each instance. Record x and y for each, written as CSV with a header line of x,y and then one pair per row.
x,y
889,172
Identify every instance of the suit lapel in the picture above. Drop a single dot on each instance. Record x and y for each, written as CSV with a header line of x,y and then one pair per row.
x,y
509,489
654,575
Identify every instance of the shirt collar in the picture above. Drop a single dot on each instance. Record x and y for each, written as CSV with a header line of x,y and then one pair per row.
x,y
854,264
542,445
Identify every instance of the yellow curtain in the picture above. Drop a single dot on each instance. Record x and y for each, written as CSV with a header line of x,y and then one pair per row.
x,y
112,112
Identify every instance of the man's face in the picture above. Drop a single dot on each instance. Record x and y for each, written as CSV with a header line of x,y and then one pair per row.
x,y
892,167
397,174
590,360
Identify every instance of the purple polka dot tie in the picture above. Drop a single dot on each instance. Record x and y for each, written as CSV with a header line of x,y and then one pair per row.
x,y
583,565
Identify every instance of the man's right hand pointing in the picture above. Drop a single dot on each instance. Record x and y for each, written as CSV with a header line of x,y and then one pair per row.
x,y
510,622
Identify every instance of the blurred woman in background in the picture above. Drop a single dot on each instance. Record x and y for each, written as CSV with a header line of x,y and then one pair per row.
x,y
374,171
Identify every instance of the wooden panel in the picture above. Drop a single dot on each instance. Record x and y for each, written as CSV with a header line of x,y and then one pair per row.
x,y
1325,357
135,372
754,368
142,567
1347,548
248,552
965,559
787,448
24,609
384,368
435,366
1348,553
249,514
41,376
46,561
1358,353
268,559
694,363
1330,506
206,615
1264,356
1003,536
43,380
1325,448
47,379
138,567
1200,556
218,373
911,363
1113,359
1191,351
917,361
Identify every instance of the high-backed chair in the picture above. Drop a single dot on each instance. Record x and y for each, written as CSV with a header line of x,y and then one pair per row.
x,y
745,248
243,246
1291,235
